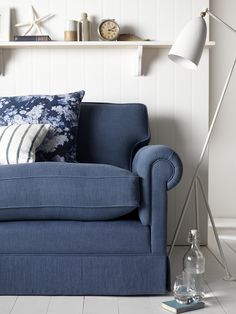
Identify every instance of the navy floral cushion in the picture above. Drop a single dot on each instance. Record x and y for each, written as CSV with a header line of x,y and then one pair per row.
x,y
60,111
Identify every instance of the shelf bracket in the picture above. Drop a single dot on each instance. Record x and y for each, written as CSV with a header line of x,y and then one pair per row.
x,y
139,61
1,62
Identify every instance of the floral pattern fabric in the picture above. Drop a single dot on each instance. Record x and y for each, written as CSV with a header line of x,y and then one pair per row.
x,y
60,111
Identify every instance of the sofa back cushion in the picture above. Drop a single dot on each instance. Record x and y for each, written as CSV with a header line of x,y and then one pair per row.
x,y
60,111
112,133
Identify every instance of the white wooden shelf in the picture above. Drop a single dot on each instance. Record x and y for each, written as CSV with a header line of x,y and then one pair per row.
x,y
139,45
89,44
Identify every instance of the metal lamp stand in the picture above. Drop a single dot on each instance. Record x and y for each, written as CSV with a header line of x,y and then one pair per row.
x,y
196,182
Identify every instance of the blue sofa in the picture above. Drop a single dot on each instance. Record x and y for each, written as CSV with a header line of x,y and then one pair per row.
x,y
93,228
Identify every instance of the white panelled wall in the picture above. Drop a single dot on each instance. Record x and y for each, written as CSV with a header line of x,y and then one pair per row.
x,y
177,99
222,155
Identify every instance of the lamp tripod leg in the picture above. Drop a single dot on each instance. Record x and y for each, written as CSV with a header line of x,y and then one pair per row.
x,y
223,259
181,217
201,157
196,205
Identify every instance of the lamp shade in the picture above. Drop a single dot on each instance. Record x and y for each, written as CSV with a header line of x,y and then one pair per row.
x,y
187,48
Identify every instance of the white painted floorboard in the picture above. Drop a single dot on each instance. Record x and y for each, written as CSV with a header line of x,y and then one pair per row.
x,y
7,303
31,305
98,305
221,295
135,305
61,305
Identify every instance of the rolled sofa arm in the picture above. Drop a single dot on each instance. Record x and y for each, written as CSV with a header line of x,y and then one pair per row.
x,y
159,167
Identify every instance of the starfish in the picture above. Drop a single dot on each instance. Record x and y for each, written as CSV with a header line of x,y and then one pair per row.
x,y
35,22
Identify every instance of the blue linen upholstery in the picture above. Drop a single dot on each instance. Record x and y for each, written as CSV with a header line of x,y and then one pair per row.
x,y
66,191
160,169
124,256
164,161
74,237
112,133
78,274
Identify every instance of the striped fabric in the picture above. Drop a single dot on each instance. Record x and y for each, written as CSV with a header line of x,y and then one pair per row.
x,y
18,142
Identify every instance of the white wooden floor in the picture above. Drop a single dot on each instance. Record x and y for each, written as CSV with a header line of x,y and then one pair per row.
x,y
221,297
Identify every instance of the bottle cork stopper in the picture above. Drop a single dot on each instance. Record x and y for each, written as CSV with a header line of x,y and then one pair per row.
x,y
84,15
194,232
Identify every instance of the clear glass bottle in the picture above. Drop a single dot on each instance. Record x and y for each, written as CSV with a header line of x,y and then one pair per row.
x,y
194,264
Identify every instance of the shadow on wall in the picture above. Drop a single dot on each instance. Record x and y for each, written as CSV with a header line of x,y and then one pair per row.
x,y
127,29
13,22
94,28
149,57
167,131
6,54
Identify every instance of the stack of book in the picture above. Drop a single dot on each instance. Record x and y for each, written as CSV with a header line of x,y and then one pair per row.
x,y
32,38
176,307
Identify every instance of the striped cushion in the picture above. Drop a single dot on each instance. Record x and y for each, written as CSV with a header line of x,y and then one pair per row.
x,y
18,142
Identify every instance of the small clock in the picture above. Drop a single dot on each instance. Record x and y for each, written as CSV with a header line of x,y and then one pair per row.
x,y
108,29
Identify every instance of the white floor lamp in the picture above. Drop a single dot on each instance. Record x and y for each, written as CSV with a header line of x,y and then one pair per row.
x,y
187,51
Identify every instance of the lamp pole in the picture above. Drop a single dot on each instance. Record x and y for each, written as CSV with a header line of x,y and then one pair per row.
x,y
195,179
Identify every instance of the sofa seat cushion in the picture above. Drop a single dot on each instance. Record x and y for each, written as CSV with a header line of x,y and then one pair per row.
x,y
74,237
66,191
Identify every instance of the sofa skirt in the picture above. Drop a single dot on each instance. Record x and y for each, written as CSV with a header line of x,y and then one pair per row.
x,y
67,274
